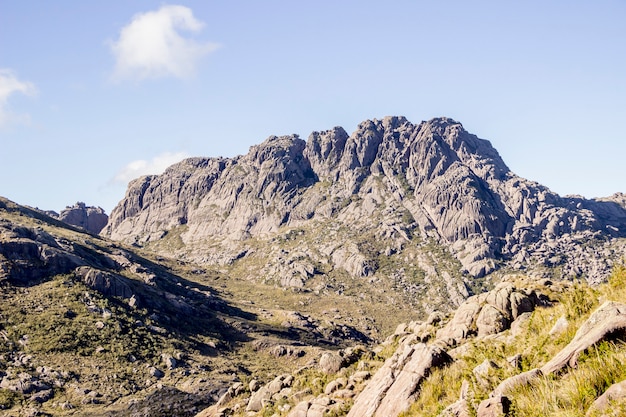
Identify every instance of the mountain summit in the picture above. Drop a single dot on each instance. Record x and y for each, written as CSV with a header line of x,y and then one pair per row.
x,y
354,200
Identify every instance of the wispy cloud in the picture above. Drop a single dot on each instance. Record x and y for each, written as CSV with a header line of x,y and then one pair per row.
x,y
151,45
10,84
156,165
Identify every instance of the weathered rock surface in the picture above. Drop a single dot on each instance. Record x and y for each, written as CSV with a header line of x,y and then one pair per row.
x,y
609,320
489,313
434,180
393,387
615,395
105,282
92,219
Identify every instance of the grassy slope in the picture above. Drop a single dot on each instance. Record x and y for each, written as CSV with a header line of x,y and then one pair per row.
x,y
103,345
568,394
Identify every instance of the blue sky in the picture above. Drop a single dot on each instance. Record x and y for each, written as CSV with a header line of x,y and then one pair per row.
x,y
94,93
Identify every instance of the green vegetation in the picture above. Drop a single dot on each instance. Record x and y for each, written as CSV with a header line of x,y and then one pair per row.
x,y
8,399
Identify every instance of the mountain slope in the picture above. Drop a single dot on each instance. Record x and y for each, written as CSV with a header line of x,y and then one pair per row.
x,y
89,326
526,348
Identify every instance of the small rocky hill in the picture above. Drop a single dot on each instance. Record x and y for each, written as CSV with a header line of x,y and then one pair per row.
x,y
424,209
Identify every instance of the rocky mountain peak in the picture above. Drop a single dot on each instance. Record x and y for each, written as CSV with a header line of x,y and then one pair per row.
x,y
390,178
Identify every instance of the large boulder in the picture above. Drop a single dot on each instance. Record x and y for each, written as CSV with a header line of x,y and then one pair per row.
x,y
104,282
395,386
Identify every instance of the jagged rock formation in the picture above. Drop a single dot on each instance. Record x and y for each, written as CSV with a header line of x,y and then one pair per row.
x,y
390,182
92,219
489,313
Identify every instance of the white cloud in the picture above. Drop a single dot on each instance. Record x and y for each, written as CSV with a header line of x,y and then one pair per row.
x,y
156,165
151,45
10,84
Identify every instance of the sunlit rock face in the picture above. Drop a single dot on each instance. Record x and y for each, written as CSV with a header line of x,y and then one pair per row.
x,y
390,179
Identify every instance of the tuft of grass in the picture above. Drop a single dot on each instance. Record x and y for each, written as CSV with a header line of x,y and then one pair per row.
x,y
573,393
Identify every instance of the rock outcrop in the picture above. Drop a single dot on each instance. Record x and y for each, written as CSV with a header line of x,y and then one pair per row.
x,y
394,387
92,219
433,180
489,313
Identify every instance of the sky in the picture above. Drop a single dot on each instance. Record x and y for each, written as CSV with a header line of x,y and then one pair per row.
x,y
93,94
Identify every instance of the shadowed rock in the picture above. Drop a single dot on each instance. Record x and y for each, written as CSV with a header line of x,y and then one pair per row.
x,y
106,283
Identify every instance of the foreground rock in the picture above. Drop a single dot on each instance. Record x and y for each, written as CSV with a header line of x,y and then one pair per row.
x,y
614,396
606,323
394,387
609,320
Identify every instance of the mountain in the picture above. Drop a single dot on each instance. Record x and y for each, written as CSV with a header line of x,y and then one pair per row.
x,y
399,270
354,203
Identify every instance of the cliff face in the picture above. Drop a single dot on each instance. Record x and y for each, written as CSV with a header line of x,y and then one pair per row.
x,y
391,181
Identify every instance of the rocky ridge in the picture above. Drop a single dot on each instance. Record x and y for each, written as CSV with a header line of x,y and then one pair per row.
x,y
349,200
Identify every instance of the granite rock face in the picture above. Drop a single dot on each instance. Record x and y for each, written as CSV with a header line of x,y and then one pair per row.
x,y
391,180
92,219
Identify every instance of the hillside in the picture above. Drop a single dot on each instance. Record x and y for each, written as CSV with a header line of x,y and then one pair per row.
x,y
527,348
93,327
89,326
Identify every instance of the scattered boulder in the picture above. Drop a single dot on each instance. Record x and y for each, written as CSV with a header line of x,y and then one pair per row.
x,y
331,363
559,326
156,372
259,398
494,407
483,371
169,361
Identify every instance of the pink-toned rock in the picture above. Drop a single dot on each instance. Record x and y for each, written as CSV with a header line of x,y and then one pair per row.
x,y
394,387
494,407
609,318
